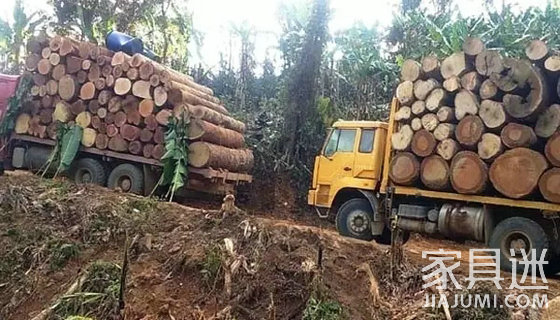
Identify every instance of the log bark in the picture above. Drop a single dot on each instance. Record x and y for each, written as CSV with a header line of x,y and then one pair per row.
x,y
117,143
423,143
490,146
403,114
81,77
473,46
489,62
45,116
471,81
411,70
516,135
552,149
402,139
507,169
466,103
122,86
67,88
141,89
423,87
130,132
446,114
88,137
203,154
201,112
434,173
405,93
469,174
416,124
548,122
447,149
452,84
430,121
437,98
444,131
178,97
404,169
469,131
492,114
549,185
206,131
431,67
418,108
454,65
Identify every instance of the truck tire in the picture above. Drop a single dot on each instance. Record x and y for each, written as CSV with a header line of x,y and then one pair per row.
x,y
520,233
127,177
88,170
354,219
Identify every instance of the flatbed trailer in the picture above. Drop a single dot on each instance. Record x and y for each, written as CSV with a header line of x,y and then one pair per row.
x,y
25,150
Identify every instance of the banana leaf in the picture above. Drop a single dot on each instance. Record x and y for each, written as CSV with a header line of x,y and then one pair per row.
x,y
69,148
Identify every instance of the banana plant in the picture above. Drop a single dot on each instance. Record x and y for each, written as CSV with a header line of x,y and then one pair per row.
x,y
175,159
66,148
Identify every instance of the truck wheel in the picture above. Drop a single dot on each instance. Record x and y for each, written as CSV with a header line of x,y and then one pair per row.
x,y
127,177
518,233
88,170
354,219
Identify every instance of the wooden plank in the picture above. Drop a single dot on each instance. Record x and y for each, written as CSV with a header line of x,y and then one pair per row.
x,y
388,148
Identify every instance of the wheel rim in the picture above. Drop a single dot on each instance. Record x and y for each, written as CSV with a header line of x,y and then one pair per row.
x,y
518,241
84,176
124,183
358,222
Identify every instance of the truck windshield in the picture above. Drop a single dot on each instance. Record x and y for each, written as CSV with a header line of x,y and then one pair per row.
x,y
340,140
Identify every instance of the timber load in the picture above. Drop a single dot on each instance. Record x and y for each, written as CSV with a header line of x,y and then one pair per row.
x,y
480,123
124,103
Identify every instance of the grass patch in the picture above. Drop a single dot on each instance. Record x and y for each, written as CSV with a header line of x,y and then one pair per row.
x,y
97,297
322,309
211,266
61,252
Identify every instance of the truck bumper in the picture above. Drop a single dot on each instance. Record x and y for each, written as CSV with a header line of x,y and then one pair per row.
x,y
311,195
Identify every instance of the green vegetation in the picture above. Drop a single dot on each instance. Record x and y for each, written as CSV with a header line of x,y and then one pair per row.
x,y
176,156
211,266
68,141
61,252
320,309
14,103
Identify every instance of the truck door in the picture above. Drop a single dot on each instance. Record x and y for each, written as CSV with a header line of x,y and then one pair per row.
x,y
364,166
335,162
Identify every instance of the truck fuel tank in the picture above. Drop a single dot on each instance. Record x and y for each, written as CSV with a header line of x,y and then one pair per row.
x,y
461,222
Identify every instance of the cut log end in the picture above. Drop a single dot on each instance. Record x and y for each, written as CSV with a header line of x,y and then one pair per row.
x,y
404,169
434,173
469,174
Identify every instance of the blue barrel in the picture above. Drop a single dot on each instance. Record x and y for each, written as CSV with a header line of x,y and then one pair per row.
x,y
118,41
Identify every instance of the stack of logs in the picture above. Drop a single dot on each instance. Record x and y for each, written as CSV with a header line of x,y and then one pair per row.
x,y
124,104
478,116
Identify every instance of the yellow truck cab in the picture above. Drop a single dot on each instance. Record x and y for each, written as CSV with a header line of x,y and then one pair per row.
x,y
351,182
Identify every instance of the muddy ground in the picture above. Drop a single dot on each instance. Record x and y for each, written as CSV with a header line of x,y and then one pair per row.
x,y
191,263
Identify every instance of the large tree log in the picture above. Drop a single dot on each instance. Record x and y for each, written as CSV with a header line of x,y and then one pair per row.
x,y
469,174
67,88
492,114
112,130
123,86
178,97
489,62
465,103
83,119
158,151
146,135
160,95
471,81
203,154
434,173
120,119
151,122
525,107
180,86
416,124
88,137
52,87
423,143
44,66
430,67
404,169
536,50
430,121
423,87
549,185
490,146
54,59
146,70
548,121
159,135
135,147
32,61
402,139
129,132
454,65
93,106
62,112
405,93
146,107
469,131
488,90
437,98
446,114
444,131
411,70
403,114
58,72
141,89
516,173
552,65
516,135
147,150
45,116
162,117
22,123
206,131
552,149
117,143
473,46
204,113
115,104
418,108
452,84
77,107
87,91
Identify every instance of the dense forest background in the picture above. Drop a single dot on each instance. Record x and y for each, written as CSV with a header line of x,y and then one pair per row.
x,y
322,76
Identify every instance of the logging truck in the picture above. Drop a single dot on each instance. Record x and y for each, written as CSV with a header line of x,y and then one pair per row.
x,y
353,182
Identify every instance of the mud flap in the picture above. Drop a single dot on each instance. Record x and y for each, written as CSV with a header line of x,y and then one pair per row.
x,y
378,221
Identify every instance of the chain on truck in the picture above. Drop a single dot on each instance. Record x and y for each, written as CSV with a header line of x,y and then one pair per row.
x,y
351,181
